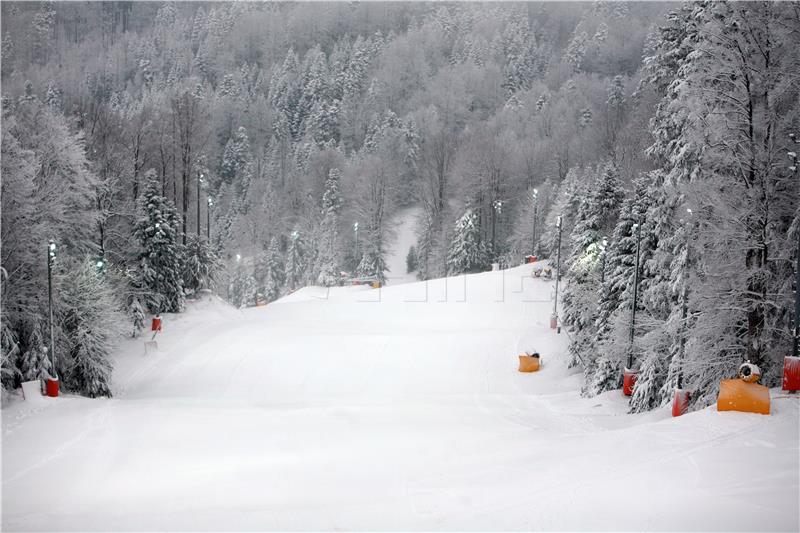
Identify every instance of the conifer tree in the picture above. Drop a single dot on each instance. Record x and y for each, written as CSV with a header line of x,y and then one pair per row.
x,y
269,272
200,264
157,230
35,361
467,252
89,322
242,287
329,242
295,261
136,314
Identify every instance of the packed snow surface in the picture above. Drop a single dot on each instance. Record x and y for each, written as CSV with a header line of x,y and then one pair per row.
x,y
394,408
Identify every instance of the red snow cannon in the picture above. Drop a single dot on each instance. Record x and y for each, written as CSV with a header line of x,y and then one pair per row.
x,y
51,387
791,374
680,404
530,258
553,322
628,381
156,326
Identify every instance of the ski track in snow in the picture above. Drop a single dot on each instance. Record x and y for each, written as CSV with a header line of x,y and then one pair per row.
x,y
396,408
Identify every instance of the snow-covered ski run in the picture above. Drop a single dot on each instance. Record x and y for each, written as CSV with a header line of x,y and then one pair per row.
x,y
399,408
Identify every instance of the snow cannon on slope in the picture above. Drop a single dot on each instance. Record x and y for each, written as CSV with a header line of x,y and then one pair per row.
x,y
744,393
791,374
529,362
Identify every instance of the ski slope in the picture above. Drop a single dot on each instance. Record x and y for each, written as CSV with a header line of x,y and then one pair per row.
x,y
405,237
397,408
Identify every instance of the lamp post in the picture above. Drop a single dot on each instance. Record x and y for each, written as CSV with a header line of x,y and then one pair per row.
x,y
680,403
628,374
210,203
355,252
637,228
796,342
51,258
498,208
199,182
604,246
554,318
535,197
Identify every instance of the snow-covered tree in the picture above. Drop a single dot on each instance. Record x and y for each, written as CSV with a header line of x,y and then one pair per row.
x,y
89,322
467,252
35,361
157,230
295,261
137,316
200,264
328,255
411,260
269,271
242,287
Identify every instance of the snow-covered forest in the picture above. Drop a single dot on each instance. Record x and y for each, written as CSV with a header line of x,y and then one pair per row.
x,y
253,149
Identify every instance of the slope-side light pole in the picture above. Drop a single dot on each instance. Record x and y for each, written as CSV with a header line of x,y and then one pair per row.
x,y
535,196
554,317
629,374
210,203
791,365
199,183
355,251
51,384
680,403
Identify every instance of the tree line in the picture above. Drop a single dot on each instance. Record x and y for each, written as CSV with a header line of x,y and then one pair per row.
x,y
234,146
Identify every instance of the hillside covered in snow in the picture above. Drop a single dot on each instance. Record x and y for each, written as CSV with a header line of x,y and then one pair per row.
x,y
400,408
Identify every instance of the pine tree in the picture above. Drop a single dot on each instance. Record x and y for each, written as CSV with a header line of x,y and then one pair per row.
x,y
596,218
331,206
136,314
295,261
269,272
373,263
242,288
411,260
9,353
200,264
467,252
35,361
89,322
646,391
157,230
236,165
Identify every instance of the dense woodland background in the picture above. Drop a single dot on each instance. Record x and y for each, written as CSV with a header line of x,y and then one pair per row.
x,y
173,147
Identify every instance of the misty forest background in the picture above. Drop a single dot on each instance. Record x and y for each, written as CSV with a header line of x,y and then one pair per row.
x,y
169,148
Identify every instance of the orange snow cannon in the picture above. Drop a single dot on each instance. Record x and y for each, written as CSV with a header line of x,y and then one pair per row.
x,y
744,393
529,362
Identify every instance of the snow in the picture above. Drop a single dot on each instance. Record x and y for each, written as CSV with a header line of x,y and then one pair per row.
x,y
373,409
404,226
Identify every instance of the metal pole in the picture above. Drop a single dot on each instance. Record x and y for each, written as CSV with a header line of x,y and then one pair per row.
x,y
355,256
535,216
796,341
209,203
51,254
558,269
635,292
199,177
603,264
